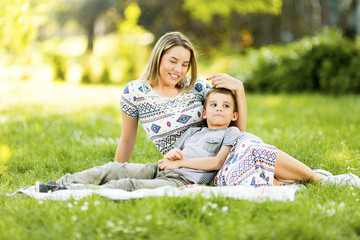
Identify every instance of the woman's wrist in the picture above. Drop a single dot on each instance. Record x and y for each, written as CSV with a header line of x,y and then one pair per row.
x,y
240,88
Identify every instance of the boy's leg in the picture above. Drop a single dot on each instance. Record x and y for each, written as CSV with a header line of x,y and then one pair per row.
x,y
111,171
164,178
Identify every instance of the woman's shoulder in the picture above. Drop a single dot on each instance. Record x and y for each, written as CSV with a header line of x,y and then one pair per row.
x,y
138,82
136,85
201,86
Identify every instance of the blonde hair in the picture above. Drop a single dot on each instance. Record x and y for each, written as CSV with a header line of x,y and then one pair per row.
x,y
166,42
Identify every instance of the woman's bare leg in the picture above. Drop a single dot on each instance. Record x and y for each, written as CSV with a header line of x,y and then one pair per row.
x,y
278,182
289,168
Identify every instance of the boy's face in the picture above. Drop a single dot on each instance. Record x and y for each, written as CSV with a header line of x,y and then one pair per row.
x,y
219,110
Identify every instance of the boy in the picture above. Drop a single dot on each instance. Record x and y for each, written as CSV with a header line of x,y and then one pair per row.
x,y
198,154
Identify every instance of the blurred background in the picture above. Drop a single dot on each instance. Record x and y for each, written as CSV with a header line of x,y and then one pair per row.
x,y
271,45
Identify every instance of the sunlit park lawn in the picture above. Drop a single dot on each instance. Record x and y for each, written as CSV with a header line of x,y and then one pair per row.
x,y
47,130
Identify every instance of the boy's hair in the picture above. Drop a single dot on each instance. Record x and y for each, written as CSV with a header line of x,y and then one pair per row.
x,y
221,91
167,41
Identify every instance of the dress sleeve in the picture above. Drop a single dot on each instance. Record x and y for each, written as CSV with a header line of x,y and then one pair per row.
x,y
231,135
128,103
207,88
202,87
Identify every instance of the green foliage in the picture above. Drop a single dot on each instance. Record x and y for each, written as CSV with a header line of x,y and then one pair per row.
x,y
205,10
133,44
116,58
326,63
17,26
49,130
85,13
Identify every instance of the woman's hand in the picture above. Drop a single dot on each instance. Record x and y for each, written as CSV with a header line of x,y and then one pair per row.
x,y
223,80
174,155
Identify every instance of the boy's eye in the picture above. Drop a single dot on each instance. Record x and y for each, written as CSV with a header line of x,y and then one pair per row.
x,y
226,106
213,105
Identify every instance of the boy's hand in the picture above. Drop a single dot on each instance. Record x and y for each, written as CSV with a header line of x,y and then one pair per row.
x,y
174,155
165,164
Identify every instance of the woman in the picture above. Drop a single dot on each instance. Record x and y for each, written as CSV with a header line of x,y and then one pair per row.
x,y
167,102
164,99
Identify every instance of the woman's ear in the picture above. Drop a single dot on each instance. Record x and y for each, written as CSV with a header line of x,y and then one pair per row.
x,y
235,116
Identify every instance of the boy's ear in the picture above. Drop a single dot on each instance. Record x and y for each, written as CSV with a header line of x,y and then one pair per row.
x,y
204,114
235,116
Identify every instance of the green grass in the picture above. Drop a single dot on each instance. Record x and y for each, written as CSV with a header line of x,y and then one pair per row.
x,y
54,129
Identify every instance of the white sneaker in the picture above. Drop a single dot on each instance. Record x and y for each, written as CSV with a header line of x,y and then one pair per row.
x,y
343,179
323,173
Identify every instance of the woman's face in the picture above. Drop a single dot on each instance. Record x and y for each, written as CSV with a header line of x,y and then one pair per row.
x,y
174,65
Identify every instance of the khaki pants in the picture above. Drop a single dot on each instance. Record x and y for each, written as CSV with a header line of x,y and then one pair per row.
x,y
126,176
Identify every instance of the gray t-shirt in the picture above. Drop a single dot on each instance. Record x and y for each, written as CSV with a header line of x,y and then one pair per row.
x,y
199,142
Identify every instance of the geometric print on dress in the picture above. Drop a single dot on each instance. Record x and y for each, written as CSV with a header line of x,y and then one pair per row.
x,y
183,118
163,119
155,128
144,107
249,162
198,87
166,143
128,107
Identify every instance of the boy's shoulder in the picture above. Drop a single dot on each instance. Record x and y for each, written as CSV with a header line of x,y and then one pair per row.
x,y
194,129
233,130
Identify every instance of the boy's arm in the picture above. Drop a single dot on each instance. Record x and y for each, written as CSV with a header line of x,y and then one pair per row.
x,y
206,163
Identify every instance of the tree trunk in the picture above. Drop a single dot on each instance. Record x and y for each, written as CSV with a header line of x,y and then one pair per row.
x,y
357,17
90,37
325,12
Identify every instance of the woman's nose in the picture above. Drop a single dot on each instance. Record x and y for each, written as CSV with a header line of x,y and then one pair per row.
x,y
177,68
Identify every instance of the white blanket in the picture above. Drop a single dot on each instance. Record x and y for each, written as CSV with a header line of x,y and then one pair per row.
x,y
256,194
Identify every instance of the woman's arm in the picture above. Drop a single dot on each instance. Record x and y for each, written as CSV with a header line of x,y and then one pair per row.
x,y
222,80
127,138
206,163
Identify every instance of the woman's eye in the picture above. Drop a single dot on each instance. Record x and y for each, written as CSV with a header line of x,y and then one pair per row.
x,y
185,65
172,61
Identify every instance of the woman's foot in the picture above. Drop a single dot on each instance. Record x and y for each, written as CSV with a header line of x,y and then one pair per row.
x,y
322,172
343,179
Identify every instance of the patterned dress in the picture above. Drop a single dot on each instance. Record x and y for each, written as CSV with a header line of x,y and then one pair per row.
x,y
164,119
250,162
